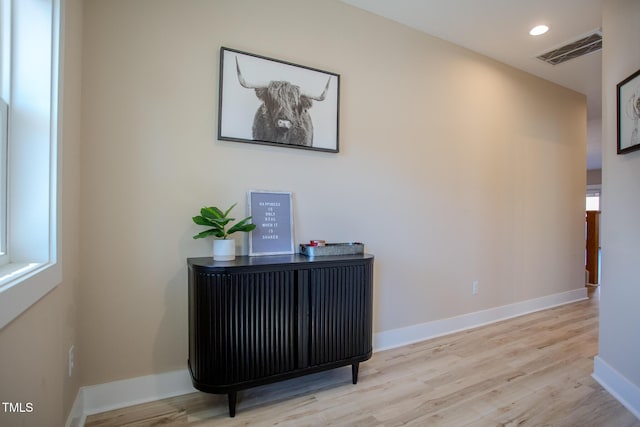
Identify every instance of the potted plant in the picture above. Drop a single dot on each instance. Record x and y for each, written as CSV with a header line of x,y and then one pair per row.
x,y
224,248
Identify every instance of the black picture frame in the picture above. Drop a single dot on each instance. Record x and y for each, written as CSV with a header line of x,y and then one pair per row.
x,y
272,214
628,112
267,101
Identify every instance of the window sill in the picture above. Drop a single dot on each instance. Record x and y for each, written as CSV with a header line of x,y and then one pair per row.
x,y
22,285
11,274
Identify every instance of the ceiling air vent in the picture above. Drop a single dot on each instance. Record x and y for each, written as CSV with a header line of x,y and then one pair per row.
x,y
588,44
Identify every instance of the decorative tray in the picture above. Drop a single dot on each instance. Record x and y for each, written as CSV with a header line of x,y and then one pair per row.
x,y
350,248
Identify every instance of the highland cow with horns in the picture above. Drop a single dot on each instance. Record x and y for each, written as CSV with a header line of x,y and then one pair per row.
x,y
283,116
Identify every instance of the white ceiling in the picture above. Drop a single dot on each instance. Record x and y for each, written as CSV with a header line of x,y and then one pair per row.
x,y
500,29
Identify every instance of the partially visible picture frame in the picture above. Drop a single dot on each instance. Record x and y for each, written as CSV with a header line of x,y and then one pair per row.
x,y
628,109
267,101
272,214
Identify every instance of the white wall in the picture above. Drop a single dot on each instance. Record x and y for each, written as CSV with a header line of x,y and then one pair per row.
x,y
452,168
594,144
617,364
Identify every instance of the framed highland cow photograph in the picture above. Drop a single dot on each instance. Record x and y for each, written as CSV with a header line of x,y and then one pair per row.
x,y
628,106
268,101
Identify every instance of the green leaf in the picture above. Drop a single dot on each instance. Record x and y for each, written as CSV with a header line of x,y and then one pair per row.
x,y
248,227
203,221
229,210
204,234
242,226
216,216
212,212
221,222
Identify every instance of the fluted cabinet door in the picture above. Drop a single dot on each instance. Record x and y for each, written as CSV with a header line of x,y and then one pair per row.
x,y
246,324
340,324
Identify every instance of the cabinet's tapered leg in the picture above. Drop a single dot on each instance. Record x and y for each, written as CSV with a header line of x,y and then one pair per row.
x,y
232,403
354,372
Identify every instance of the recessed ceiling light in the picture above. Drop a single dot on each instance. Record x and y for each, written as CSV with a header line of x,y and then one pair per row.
x,y
538,30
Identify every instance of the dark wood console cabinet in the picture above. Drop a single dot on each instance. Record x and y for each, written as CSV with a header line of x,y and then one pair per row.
x,y
258,320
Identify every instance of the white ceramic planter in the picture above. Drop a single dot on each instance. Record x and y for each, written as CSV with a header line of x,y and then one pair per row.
x,y
224,250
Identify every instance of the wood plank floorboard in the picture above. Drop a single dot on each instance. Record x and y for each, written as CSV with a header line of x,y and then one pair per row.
x,y
534,370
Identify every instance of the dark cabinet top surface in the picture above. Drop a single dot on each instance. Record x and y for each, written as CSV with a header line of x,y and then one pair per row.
x,y
268,261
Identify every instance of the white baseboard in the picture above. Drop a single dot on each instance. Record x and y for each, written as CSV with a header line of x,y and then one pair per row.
x,y
627,393
133,391
424,331
77,416
119,394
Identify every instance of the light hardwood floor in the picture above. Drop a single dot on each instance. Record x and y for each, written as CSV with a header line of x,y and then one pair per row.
x,y
533,370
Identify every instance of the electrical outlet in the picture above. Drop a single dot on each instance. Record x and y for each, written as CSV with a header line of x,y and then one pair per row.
x,y
474,287
71,361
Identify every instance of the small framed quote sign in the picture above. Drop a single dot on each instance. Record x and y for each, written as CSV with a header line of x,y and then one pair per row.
x,y
272,213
